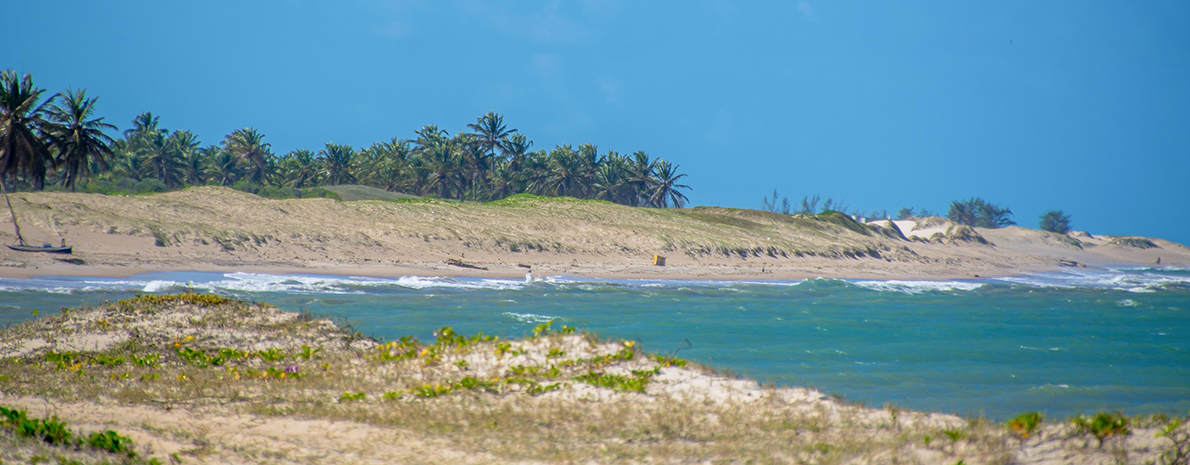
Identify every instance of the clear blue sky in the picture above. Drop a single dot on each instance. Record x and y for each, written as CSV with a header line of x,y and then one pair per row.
x,y
1081,106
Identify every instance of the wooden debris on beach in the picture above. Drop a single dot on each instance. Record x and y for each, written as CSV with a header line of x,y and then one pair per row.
x,y
463,264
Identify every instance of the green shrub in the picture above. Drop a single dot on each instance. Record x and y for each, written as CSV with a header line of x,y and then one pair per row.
x,y
319,193
977,212
1025,424
149,186
667,361
112,442
52,430
1103,425
349,397
1055,221
637,382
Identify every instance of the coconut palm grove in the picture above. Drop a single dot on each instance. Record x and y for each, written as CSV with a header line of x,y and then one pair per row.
x,y
58,142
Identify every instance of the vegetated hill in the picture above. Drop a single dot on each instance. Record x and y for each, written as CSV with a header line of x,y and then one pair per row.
x,y
353,192
226,220
224,227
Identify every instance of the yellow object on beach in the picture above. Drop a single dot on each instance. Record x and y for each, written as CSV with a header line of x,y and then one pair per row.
x,y
658,260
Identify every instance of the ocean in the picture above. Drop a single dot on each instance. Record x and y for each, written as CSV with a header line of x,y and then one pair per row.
x,y
1062,343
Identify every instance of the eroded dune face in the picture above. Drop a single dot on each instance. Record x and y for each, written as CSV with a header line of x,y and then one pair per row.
x,y
218,228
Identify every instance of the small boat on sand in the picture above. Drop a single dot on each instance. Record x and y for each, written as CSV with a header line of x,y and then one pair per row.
x,y
47,248
21,246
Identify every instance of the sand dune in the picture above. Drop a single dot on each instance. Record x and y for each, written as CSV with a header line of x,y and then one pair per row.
x,y
202,379
213,228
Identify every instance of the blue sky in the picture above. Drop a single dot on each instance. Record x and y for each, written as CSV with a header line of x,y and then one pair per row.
x,y
1080,106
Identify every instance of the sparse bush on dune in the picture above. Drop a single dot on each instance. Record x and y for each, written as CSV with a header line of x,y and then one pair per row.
x,y
977,212
1055,221
555,396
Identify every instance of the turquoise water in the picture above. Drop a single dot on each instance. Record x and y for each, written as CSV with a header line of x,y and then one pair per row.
x,y
1062,343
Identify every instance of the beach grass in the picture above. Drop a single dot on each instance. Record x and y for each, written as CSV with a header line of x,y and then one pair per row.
x,y
555,396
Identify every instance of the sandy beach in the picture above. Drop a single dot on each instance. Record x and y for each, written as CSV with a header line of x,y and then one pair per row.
x,y
206,380
219,229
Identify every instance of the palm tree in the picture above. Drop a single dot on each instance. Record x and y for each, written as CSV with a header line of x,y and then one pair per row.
x,y
124,162
143,123
184,145
503,181
640,178
161,156
197,164
490,132
78,137
23,127
475,161
300,168
515,147
610,180
389,165
565,172
129,153
665,186
589,163
248,144
337,163
440,162
224,167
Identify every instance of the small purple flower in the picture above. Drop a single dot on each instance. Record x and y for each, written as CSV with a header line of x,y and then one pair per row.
x,y
291,369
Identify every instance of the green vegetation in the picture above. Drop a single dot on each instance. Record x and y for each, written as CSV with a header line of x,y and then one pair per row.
x,y
56,433
58,138
809,205
1135,242
1179,435
555,395
977,212
1103,425
1025,424
51,430
111,441
1055,221
355,192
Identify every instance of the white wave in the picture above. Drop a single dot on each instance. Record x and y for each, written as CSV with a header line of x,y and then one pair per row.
x,y
1050,387
1118,279
917,287
257,282
1051,349
531,317
158,286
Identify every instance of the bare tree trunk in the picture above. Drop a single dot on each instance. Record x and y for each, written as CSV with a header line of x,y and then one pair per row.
x,y
16,226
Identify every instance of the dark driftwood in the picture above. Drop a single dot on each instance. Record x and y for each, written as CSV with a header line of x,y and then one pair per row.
x,y
463,264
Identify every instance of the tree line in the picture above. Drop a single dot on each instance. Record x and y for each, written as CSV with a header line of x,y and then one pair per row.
x,y
60,140
975,212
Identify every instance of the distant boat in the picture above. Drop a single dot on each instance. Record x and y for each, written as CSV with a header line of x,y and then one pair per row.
x,y
21,246
40,248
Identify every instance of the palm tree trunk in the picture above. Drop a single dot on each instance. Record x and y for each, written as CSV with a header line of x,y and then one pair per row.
x,y
20,240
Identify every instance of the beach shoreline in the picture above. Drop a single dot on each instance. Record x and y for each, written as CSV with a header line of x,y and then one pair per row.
x,y
447,271
222,230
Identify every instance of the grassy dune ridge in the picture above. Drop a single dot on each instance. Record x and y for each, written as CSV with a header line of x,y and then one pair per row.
x,y
217,228
233,220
